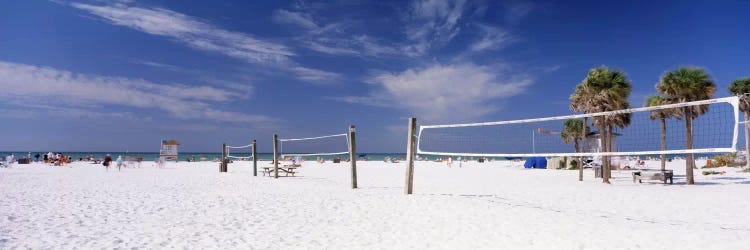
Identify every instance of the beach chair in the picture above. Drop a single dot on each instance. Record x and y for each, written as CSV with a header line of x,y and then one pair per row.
x,y
296,162
4,161
589,164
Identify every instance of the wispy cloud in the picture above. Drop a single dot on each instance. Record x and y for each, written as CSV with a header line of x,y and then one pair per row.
x,y
32,86
191,31
159,65
314,74
426,25
492,38
458,92
515,10
297,18
42,111
333,38
195,33
435,23
238,82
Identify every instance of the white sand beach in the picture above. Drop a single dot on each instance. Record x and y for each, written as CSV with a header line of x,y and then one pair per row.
x,y
479,206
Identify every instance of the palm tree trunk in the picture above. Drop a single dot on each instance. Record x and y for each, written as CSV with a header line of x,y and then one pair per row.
x,y
608,173
747,141
605,159
663,142
583,148
689,164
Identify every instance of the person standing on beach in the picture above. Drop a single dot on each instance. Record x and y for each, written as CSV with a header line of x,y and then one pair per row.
x,y
160,161
36,156
10,159
449,161
119,162
107,161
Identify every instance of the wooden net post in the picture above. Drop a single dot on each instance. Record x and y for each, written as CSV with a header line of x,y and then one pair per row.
x,y
410,155
353,155
223,163
275,156
255,160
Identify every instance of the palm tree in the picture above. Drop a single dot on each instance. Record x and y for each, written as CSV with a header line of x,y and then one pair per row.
x,y
620,121
740,87
688,84
573,132
662,115
603,90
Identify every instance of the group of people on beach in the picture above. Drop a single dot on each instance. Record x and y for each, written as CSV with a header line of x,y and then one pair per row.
x,y
120,162
60,159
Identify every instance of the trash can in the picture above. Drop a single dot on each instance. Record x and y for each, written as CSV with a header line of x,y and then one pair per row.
x,y
597,171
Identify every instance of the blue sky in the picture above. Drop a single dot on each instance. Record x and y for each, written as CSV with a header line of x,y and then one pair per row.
x,y
123,75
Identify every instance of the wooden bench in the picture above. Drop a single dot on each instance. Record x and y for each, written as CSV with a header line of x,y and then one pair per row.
x,y
653,174
285,170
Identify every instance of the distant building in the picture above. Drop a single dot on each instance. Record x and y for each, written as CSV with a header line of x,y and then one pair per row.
x,y
594,145
594,142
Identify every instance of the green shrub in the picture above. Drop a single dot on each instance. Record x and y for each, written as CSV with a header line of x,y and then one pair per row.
x,y
573,165
722,160
712,172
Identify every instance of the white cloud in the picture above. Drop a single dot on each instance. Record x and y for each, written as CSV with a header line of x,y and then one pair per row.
x,y
322,47
40,111
159,65
492,38
361,45
435,24
195,33
314,75
333,38
32,86
297,18
191,31
460,92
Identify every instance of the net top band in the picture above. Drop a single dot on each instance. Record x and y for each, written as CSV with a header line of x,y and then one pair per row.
x,y
311,138
734,100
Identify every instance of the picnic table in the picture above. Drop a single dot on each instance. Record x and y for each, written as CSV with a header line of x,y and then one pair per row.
x,y
653,174
289,169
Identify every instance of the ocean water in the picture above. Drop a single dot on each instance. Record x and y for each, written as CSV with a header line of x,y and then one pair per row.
x,y
209,156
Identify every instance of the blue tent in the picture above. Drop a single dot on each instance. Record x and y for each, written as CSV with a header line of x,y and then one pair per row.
x,y
535,162
541,162
530,162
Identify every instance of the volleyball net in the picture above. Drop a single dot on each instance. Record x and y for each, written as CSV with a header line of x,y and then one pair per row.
x,y
240,153
636,131
327,145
